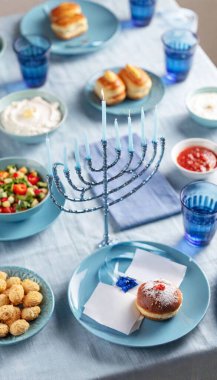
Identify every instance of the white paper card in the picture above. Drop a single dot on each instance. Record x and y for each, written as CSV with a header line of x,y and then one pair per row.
x,y
147,266
113,308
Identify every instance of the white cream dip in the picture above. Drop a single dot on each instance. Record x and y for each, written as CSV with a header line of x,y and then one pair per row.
x,y
31,116
204,105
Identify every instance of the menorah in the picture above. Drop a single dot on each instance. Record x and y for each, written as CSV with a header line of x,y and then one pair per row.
x,y
84,192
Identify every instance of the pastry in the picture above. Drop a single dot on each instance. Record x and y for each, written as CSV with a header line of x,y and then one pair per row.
x,y
70,26
113,87
158,300
65,9
137,81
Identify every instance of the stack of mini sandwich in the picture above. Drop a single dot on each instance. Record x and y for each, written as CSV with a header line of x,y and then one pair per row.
x,y
68,21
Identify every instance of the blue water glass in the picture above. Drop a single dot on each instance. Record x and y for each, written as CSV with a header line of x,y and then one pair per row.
x,y
179,47
199,210
142,11
32,53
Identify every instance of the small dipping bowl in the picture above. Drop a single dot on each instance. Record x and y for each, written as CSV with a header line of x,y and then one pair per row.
x,y
29,94
204,121
182,145
22,215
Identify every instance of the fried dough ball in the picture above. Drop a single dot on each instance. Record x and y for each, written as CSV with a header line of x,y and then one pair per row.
x,y
16,294
15,316
13,281
33,298
3,285
31,313
4,300
29,285
19,327
6,292
3,276
4,330
6,312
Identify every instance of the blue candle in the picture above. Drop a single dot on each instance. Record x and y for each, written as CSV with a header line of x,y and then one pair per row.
x,y
118,141
103,117
77,156
49,156
87,147
130,135
65,159
155,124
143,139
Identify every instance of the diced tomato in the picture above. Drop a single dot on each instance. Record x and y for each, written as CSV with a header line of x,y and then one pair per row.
x,y
37,191
20,188
3,199
0,210
15,175
33,179
1,183
7,210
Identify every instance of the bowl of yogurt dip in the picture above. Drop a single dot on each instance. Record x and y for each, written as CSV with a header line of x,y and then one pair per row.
x,y
202,106
28,116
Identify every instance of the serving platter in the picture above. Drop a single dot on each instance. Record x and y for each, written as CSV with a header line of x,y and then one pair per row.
x,y
151,333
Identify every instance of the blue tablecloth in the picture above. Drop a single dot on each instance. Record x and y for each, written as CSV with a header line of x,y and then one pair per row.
x,y
64,349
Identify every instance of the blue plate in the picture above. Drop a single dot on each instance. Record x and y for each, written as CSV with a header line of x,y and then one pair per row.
x,y
103,26
148,102
151,333
47,305
40,221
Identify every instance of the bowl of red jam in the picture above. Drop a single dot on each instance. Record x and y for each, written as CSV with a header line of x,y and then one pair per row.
x,y
196,158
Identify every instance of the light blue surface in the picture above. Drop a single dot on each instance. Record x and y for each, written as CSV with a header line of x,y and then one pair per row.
x,y
19,162
47,305
201,120
29,94
103,25
148,102
38,221
151,333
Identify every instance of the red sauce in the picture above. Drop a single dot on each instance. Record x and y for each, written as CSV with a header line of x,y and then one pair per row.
x,y
197,159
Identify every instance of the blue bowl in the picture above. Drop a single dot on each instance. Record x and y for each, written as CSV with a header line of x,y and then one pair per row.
x,y
209,123
28,94
22,215
47,305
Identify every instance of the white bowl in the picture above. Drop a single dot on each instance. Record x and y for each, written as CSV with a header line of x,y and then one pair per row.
x,y
180,146
208,123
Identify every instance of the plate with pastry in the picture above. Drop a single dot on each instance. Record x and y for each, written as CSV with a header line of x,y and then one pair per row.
x,y
72,27
26,304
125,88
120,294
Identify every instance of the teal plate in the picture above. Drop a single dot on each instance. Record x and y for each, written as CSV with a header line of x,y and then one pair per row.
x,y
148,102
151,333
47,305
10,231
103,26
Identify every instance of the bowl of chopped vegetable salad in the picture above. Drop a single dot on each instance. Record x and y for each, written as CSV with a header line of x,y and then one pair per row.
x,y
23,188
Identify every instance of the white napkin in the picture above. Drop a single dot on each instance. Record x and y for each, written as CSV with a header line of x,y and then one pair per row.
x,y
147,266
113,308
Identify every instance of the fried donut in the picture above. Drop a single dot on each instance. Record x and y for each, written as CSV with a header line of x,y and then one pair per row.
x,y
113,87
137,81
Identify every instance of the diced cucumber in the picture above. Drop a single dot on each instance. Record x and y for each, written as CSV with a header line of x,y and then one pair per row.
x,y
42,184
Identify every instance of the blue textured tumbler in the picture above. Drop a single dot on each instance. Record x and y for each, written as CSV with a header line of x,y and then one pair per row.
x,y
32,53
142,11
179,47
199,210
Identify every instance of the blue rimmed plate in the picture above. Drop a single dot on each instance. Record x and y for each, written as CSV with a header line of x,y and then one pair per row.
x,y
148,102
151,333
103,26
47,305
10,231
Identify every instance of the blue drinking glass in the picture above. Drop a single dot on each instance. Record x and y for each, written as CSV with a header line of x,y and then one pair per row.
x,y
142,11
199,210
32,53
179,47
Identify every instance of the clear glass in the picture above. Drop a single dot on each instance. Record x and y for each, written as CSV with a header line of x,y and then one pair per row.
x,y
199,210
179,48
142,11
182,18
32,53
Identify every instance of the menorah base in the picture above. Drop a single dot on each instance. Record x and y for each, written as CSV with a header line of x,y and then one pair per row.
x,y
105,243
